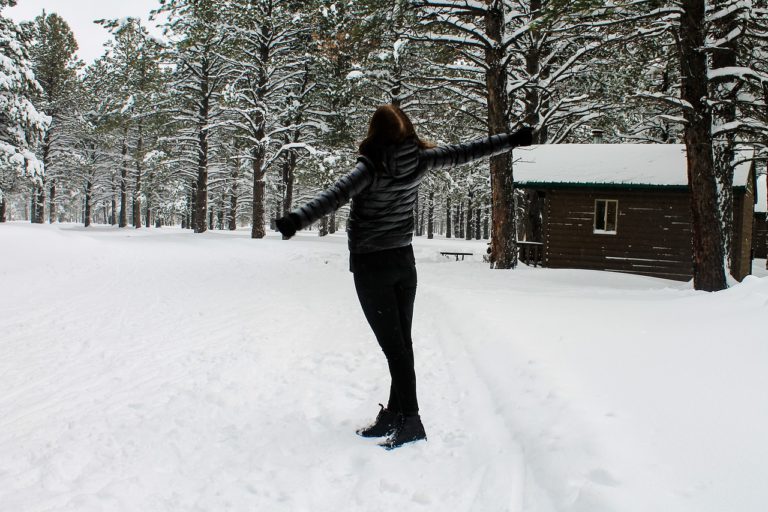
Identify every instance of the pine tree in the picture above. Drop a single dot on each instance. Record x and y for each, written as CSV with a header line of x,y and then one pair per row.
x,y
202,71
55,65
22,125
707,246
136,56
269,97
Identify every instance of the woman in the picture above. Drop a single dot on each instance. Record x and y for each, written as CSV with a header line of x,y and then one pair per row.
x,y
384,185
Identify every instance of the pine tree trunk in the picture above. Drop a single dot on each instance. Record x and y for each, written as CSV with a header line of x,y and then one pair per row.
x,y
503,247
32,202
486,225
41,204
332,222
257,228
3,206
52,202
38,204
289,165
708,272
257,223
201,186
448,223
233,197
725,92
232,211
191,210
124,181
431,216
88,201
468,233
139,171
323,226
147,217
416,216
457,220
113,211
421,220
203,115
478,233
39,214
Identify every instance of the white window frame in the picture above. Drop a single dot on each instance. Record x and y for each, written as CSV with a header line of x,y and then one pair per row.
x,y
605,219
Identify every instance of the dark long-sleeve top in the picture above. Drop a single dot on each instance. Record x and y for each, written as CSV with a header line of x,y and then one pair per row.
x,y
381,215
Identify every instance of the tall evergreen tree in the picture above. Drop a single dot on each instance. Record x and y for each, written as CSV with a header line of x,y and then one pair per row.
x,y
202,70
269,89
55,65
708,253
133,63
22,125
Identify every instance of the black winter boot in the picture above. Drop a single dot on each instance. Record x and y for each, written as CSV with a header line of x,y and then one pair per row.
x,y
385,424
408,430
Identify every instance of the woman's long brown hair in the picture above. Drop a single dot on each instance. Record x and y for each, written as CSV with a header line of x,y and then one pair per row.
x,y
389,126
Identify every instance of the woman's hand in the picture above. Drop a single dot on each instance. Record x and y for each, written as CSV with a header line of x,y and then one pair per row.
x,y
287,225
522,137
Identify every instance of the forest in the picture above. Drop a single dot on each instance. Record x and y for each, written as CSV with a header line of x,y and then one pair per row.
x,y
246,108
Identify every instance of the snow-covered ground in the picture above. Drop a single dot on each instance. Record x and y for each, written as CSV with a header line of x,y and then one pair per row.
x,y
157,370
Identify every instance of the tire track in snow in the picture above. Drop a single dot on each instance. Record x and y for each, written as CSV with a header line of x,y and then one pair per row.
x,y
473,427
555,451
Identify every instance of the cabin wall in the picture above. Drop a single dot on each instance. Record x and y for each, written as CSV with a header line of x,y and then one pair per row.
x,y
759,235
653,235
743,217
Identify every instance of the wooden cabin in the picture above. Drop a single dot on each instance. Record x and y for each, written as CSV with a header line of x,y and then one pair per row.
x,y
760,231
622,208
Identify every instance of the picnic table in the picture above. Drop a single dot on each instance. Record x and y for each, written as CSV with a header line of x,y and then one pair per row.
x,y
457,254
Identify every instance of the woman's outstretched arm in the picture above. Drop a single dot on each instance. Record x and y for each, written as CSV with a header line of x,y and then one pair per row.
x,y
457,154
329,200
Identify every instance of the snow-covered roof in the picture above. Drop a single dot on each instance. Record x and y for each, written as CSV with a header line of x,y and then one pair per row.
x,y
607,164
762,194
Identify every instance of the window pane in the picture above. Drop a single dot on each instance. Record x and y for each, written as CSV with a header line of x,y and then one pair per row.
x,y
611,215
599,215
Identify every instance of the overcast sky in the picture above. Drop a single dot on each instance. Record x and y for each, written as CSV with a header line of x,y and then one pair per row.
x,y
80,15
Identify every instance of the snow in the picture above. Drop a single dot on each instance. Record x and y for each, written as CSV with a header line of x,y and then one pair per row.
x,y
397,48
762,192
161,370
610,164
355,75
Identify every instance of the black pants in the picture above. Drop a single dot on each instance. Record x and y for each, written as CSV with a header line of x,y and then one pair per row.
x,y
387,297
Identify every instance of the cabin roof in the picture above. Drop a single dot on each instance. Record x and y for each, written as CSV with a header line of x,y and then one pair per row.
x,y
610,165
762,194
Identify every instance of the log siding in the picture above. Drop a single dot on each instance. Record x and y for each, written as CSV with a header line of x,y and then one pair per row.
x,y
760,234
653,234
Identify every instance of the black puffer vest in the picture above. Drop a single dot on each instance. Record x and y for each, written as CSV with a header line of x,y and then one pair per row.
x,y
381,216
